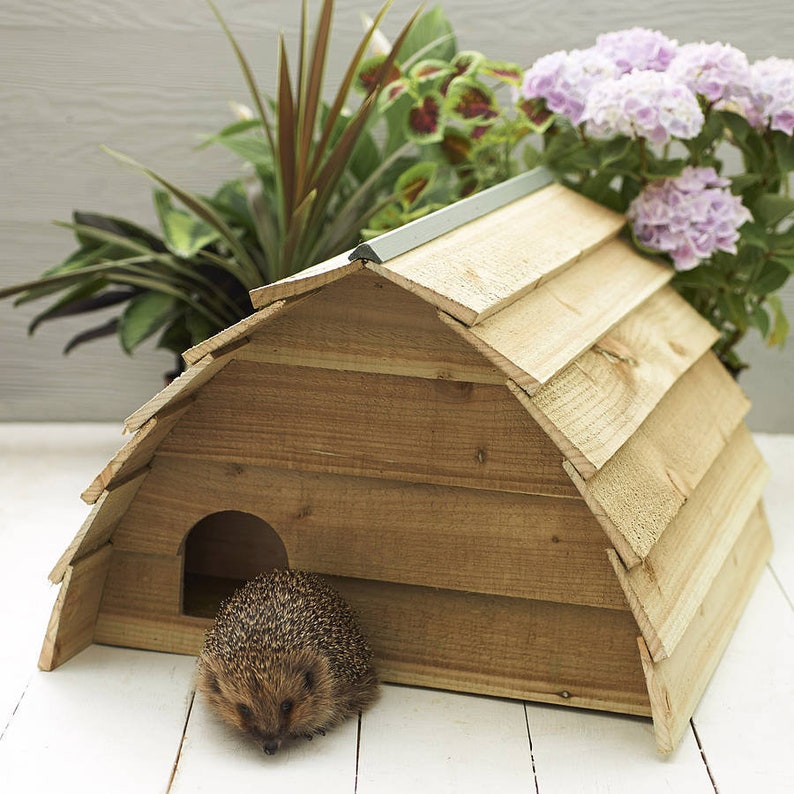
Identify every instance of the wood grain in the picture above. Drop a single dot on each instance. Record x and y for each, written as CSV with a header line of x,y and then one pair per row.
x,y
666,591
71,626
135,454
413,429
508,647
597,403
366,323
456,538
541,333
100,524
641,488
676,684
481,267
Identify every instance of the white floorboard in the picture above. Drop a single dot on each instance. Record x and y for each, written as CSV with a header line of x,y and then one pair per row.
x,y
115,720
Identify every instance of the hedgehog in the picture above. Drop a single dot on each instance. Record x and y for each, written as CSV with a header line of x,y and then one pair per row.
x,y
285,658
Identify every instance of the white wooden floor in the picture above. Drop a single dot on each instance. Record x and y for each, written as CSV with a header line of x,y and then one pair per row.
x,y
114,720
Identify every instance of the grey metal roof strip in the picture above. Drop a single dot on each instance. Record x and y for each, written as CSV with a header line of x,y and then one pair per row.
x,y
398,241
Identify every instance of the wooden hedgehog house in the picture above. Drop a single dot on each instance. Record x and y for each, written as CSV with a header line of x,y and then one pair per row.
x,y
498,431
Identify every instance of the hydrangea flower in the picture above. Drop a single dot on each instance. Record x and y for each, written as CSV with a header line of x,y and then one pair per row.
x,y
689,217
719,72
564,79
637,48
643,104
771,100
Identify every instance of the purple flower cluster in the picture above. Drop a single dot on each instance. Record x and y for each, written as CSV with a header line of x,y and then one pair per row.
x,y
564,79
719,72
637,48
643,104
585,86
771,100
689,217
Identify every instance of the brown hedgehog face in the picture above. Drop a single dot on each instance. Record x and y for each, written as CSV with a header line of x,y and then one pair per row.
x,y
292,697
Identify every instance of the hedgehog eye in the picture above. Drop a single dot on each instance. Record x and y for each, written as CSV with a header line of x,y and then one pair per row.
x,y
308,680
286,707
244,711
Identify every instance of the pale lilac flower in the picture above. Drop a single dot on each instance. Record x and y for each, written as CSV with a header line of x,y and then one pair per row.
x,y
647,104
689,217
771,100
564,79
719,72
637,48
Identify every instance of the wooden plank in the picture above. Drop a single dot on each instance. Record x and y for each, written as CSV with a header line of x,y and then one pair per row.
x,y
676,684
181,388
413,429
441,732
71,626
597,403
481,267
232,334
135,454
745,720
368,324
665,459
507,647
456,538
99,525
567,314
666,591
304,281
110,720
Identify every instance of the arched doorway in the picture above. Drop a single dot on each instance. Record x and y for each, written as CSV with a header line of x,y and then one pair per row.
x,y
222,551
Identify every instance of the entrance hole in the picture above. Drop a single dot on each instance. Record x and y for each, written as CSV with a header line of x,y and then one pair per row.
x,y
222,551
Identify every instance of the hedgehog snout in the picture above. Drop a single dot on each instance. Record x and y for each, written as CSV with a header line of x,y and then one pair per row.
x,y
270,746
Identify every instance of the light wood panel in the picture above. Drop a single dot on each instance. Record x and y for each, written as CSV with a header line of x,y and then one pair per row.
x,y
487,264
366,323
593,406
509,647
666,591
99,525
187,384
641,488
541,333
444,432
232,334
676,684
71,626
457,538
135,454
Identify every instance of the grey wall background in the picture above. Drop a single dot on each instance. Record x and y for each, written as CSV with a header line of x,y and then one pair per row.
x,y
148,77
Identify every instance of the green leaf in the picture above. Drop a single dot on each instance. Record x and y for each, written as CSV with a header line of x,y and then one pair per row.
x,y
784,150
471,102
249,272
88,296
252,149
415,182
770,209
780,324
144,316
503,71
431,36
424,122
429,69
184,234
772,277
760,319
